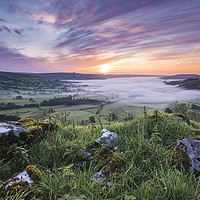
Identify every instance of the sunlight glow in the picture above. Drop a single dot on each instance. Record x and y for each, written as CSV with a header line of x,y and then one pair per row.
x,y
105,68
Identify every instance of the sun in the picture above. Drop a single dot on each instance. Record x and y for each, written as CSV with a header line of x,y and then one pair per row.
x,y
105,68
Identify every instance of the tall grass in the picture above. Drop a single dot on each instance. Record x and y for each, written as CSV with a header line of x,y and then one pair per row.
x,y
146,173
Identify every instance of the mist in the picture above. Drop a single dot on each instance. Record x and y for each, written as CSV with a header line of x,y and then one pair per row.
x,y
139,90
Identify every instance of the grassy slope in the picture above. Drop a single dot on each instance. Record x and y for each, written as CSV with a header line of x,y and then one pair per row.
x,y
182,76
192,83
147,173
20,81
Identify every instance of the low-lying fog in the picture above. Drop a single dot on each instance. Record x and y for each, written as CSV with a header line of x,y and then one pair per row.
x,y
139,90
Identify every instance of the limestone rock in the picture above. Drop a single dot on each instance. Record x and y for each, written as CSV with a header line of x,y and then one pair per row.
x,y
22,182
107,138
12,127
192,149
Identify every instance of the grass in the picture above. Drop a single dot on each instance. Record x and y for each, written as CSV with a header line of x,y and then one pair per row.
x,y
146,174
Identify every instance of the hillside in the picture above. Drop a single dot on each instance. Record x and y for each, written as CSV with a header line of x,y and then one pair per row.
x,y
181,76
80,76
66,160
20,81
192,83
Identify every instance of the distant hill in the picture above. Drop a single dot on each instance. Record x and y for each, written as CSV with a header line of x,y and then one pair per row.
x,y
181,76
80,76
192,83
20,81
69,76
14,76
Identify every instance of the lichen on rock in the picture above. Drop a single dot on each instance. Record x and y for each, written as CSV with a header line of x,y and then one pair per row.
x,y
107,138
186,155
182,117
23,182
26,130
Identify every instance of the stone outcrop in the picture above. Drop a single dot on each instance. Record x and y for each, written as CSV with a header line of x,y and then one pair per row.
x,y
26,130
23,182
186,154
107,138
12,127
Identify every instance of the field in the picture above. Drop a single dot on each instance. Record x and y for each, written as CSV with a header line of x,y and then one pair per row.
x,y
139,166
77,112
19,91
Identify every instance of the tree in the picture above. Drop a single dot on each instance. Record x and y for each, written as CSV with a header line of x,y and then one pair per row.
x,y
181,108
92,119
19,97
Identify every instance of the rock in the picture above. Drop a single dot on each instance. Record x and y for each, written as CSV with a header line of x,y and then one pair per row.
x,y
23,182
101,153
15,128
107,138
187,153
182,117
26,130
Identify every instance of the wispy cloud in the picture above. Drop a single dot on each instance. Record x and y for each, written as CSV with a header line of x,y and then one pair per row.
x,y
19,31
102,25
2,20
97,31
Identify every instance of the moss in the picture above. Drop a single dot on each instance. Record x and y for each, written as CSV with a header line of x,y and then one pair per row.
x,y
181,117
34,172
14,187
177,156
114,164
74,154
109,160
37,129
27,121
5,141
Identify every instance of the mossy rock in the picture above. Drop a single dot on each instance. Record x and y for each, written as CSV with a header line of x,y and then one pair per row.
x,y
29,130
182,117
5,141
23,182
177,156
110,160
74,154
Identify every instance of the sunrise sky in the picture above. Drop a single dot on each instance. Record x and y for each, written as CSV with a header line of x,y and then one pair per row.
x,y
100,36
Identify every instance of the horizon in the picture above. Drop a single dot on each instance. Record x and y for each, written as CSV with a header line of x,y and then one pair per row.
x,y
100,73
116,37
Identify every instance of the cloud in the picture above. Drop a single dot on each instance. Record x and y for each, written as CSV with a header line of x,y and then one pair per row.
x,y
108,30
2,20
19,31
17,61
90,23
16,30
43,18
93,27
7,53
6,28
12,8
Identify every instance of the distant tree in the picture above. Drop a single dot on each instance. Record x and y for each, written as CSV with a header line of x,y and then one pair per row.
x,y
8,118
195,107
168,110
19,97
31,99
181,108
92,119
113,117
51,110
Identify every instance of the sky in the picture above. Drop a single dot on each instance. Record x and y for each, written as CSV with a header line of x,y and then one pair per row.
x,y
100,36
